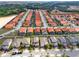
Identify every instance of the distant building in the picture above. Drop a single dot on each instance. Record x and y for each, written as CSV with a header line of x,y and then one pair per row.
x,y
56,11
73,8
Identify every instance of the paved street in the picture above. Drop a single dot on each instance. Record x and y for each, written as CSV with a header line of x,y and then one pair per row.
x,y
43,19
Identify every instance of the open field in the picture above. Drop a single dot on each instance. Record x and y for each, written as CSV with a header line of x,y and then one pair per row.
x,y
5,20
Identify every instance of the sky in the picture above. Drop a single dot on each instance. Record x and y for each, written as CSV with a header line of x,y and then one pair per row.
x,y
39,0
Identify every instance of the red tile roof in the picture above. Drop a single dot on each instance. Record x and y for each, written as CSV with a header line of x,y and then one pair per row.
x,y
77,29
22,29
37,29
71,30
57,30
49,29
30,29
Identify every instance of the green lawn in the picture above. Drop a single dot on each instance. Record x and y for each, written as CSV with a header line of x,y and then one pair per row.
x,y
3,30
1,41
13,34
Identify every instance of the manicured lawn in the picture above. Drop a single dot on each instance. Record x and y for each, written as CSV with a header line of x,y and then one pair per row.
x,y
3,30
1,41
13,34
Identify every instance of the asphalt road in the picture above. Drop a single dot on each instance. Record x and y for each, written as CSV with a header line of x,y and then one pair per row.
x,y
43,19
